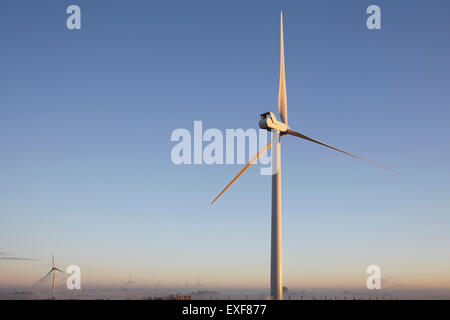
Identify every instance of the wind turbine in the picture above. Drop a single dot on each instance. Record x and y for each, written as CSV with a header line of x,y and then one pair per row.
x,y
53,269
198,284
129,284
280,128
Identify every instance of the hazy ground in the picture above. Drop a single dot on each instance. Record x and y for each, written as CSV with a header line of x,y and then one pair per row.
x,y
136,293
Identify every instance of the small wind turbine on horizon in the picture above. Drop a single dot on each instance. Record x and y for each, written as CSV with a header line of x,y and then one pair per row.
x,y
280,128
129,284
53,269
157,287
198,283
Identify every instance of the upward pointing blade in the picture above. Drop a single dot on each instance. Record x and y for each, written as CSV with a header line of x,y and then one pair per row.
x,y
243,170
282,99
53,260
298,134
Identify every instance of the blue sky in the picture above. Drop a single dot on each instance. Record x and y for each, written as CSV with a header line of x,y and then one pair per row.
x,y
86,118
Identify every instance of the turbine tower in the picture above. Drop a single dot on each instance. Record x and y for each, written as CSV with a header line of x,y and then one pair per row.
x,y
53,269
276,276
280,128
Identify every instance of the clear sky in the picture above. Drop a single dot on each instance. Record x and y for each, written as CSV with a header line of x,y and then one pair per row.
x,y
86,118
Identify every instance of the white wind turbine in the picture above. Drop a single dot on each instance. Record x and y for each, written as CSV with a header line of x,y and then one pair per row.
x,y
53,269
279,128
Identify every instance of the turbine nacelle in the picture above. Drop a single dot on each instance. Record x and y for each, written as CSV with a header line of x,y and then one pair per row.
x,y
269,122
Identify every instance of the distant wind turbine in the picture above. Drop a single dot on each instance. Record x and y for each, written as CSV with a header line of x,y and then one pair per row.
x,y
129,284
53,269
157,287
198,283
280,128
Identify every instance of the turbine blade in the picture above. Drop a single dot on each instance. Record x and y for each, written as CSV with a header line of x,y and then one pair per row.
x,y
282,99
248,165
53,260
46,275
59,270
297,134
